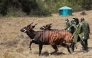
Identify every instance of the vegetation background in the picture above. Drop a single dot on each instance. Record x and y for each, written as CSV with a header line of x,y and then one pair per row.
x,y
40,7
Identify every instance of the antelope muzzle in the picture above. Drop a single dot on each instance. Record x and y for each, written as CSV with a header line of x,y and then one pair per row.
x,y
23,30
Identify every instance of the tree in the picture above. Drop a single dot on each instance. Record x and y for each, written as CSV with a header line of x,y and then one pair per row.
x,y
86,4
3,7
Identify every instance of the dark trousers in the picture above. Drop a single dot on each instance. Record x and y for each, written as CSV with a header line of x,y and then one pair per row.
x,y
72,46
84,45
86,42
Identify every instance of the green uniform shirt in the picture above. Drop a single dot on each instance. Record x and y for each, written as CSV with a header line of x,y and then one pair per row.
x,y
76,32
67,25
84,30
71,27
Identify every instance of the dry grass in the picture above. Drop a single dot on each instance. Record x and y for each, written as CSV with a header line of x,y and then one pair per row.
x,y
14,44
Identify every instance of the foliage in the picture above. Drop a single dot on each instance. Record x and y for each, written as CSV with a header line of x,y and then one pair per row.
x,y
86,4
43,8
40,7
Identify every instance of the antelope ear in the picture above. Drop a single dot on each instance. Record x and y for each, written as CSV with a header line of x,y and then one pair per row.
x,y
50,24
34,25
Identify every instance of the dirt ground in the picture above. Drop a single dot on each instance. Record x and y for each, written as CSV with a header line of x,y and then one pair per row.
x,y
15,44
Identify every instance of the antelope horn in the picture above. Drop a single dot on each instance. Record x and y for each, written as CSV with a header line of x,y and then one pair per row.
x,y
50,24
32,23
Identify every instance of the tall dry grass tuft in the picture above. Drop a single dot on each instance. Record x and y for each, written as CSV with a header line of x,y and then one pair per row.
x,y
8,55
20,50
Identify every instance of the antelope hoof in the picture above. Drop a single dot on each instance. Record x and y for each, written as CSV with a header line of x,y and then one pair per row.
x,y
30,48
50,54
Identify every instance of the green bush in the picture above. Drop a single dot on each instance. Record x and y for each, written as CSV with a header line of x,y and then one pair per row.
x,y
15,12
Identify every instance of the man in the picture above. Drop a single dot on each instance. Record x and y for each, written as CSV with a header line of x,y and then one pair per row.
x,y
84,33
67,24
75,27
71,28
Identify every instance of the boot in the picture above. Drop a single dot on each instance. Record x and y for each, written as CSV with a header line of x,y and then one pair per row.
x,y
86,48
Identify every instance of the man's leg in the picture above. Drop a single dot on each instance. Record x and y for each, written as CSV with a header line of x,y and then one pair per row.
x,y
72,46
83,45
86,43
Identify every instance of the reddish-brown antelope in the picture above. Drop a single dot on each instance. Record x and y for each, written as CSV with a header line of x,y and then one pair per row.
x,y
47,37
67,35
64,33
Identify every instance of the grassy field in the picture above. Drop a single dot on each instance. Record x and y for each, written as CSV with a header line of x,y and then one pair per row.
x,y
15,44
